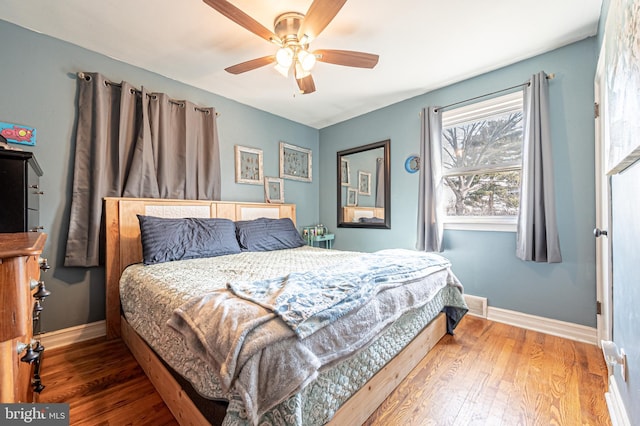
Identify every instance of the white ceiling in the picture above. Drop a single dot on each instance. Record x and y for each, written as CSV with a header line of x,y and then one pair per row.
x,y
423,44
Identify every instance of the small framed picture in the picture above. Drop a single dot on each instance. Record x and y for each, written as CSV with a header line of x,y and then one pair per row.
x,y
352,197
273,190
345,173
248,165
364,183
295,162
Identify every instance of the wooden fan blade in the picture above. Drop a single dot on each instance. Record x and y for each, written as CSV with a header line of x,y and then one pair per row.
x,y
251,65
320,13
347,58
242,19
306,85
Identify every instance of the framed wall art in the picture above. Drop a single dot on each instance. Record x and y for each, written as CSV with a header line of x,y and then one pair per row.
x,y
273,190
364,183
295,162
352,197
248,165
345,172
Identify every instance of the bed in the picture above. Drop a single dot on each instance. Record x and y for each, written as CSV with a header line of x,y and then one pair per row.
x,y
344,389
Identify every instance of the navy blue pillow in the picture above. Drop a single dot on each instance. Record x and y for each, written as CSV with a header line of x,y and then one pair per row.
x,y
268,234
371,220
164,239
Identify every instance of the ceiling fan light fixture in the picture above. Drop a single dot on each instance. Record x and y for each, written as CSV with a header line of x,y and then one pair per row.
x,y
307,60
300,72
292,33
305,39
284,57
282,70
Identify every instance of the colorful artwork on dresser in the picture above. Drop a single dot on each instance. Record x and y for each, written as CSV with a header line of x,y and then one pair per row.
x,y
18,133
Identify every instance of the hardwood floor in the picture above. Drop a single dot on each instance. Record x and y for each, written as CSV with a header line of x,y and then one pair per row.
x,y
487,374
494,374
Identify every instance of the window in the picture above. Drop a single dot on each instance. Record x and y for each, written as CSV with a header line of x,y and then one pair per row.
x,y
481,164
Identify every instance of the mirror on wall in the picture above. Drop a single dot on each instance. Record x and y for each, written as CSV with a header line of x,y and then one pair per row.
x,y
364,177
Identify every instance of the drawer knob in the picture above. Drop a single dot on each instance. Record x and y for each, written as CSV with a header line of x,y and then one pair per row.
x,y
30,354
44,264
42,292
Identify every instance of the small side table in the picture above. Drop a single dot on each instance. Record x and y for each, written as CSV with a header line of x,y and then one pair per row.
x,y
327,238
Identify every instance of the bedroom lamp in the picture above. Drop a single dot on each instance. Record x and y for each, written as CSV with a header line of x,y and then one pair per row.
x,y
614,357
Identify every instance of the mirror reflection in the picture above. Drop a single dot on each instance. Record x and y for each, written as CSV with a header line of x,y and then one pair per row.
x,y
363,186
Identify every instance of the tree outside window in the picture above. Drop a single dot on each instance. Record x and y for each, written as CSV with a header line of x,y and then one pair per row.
x,y
482,158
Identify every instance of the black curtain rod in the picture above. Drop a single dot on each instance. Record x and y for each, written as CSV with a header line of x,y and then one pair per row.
x,y
152,96
549,77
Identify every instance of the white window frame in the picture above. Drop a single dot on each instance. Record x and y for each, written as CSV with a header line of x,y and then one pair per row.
x,y
474,112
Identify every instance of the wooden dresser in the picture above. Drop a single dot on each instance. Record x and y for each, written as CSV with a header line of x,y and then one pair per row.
x,y
21,296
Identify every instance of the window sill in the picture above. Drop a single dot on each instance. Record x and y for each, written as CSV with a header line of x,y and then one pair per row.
x,y
492,224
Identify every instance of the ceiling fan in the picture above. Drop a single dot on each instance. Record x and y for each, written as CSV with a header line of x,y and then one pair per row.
x,y
292,33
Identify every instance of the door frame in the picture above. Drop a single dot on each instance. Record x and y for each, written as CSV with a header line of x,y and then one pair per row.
x,y
604,275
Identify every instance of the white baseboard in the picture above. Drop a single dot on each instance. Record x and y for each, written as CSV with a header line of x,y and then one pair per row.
x,y
76,334
554,327
477,305
617,412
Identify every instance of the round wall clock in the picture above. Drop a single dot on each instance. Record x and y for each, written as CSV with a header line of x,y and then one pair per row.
x,y
412,164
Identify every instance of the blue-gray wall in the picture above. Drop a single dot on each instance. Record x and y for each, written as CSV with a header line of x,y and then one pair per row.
x,y
38,89
37,82
625,235
485,261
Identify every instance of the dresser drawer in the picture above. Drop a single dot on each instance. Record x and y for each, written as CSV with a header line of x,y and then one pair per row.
x,y
20,191
20,266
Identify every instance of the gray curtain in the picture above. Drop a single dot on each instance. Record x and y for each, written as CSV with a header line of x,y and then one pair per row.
x,y
380,182
135,144
537,238
430,228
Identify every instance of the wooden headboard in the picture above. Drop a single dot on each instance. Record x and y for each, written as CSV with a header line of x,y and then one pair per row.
x,y
353,214
123,246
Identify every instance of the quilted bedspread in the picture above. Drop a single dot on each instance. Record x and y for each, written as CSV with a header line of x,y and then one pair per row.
x,y
266,359
172,285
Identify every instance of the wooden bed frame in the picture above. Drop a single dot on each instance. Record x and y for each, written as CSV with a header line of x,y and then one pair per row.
x,y
123,248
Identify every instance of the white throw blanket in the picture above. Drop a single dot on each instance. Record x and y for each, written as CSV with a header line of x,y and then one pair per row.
x,y
307,301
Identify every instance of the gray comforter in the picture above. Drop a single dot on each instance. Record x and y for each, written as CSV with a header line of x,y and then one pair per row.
x,y
255,353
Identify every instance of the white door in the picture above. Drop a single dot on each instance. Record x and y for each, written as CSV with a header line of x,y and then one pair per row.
x,y
604,279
